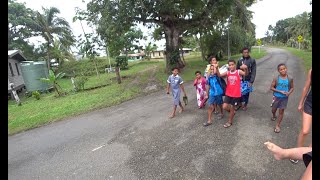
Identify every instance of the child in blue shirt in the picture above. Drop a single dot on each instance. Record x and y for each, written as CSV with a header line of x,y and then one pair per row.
x,y
282,87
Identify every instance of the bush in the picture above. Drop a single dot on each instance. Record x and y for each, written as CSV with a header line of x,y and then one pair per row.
x,y
122,62
84,67
79,82
36,95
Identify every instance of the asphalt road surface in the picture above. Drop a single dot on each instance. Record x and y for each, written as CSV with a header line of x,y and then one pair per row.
x,y
137,140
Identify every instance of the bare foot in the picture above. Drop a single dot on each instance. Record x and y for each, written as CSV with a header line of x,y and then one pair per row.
x,y
181,110
276,150
171,116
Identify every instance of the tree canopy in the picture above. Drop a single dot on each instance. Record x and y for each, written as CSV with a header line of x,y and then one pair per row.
x,y
173,18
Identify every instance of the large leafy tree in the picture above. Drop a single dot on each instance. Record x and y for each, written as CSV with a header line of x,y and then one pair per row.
x,y
280,32
173,17
287,30
125,42
21,26
238,30
50,25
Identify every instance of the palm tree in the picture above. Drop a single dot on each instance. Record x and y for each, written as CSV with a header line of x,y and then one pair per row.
x,y
51,25
59,52
149,49
52,79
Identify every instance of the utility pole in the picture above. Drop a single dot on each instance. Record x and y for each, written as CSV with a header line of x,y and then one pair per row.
x,y
228,38
228,46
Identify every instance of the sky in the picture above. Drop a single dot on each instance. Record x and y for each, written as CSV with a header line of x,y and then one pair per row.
x,y
265,13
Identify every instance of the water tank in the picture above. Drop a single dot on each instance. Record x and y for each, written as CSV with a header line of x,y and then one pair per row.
x,y
32,72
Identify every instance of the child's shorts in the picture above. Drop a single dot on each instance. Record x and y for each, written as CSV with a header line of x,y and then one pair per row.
x,y
280,103
232,100
215,100
308,106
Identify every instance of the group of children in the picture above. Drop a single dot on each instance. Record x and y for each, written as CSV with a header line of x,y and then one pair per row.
x,y
210,90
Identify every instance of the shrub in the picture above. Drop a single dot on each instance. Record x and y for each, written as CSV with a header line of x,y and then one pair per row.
x,y
36,95
122,62
79,82
85,67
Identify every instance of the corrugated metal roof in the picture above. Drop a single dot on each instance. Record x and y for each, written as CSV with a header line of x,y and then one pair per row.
x,y
12,53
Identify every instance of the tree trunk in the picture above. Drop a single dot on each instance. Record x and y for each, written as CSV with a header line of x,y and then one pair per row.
x,y
48,56
118,75
95,65
172,47
201,48
184,61
56,89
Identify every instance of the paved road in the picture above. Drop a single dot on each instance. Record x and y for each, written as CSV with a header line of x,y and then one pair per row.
x,y
136,140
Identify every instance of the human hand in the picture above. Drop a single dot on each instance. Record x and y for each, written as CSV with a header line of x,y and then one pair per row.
x,y
195,82
300,107
243,66
249,84
206,96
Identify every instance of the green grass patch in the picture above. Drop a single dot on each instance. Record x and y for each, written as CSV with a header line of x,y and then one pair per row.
x,y
306,56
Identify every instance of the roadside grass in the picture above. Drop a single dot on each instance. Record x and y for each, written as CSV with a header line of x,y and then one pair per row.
x,y
305,55
35,113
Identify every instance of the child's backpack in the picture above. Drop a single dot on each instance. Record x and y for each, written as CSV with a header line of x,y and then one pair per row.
x,y
221,81
223,84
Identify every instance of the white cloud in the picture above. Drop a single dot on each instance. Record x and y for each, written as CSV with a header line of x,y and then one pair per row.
x,y
268,12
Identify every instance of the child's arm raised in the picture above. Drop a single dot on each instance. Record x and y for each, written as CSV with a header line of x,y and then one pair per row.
x,y
195,82
243,71
218,72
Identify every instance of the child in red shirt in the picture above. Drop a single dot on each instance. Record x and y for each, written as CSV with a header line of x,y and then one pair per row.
x,y
233,89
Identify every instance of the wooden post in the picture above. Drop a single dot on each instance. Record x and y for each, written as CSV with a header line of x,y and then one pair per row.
x,y
73,83
118,75
15,95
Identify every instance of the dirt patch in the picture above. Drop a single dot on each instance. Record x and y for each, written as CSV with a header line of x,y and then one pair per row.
x,y
153,84
148,86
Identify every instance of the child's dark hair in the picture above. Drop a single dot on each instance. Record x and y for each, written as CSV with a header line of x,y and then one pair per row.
x,y
211,57
197,72
172,69
281,64
231,60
